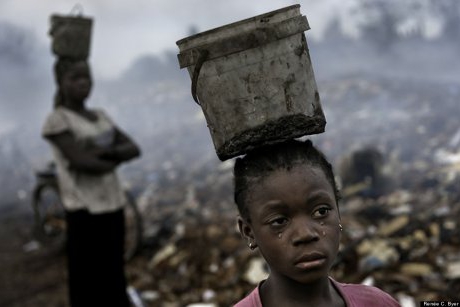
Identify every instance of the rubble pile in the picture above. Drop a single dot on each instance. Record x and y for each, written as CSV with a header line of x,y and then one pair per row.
x,y
194,252
403,237
405,240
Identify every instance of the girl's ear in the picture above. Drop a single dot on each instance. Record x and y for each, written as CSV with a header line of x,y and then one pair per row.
x,y
245,230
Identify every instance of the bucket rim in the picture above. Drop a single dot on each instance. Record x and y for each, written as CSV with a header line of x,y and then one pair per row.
x,y
261,16
77,18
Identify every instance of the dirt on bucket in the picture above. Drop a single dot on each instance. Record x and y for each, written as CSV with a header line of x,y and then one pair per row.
x,y
254,81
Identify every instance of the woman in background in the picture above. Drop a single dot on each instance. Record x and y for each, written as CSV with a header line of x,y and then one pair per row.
x,y
88,147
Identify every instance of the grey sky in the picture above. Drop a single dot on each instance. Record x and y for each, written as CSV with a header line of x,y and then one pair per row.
x,y
124,29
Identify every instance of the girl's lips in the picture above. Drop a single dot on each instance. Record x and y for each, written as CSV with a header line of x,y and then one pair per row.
x,y
305,265
310,261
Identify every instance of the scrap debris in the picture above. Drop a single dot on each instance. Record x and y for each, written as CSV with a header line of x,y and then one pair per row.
x,y
404,239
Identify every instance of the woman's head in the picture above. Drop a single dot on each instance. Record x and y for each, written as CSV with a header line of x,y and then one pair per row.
x,y
287,199
73,78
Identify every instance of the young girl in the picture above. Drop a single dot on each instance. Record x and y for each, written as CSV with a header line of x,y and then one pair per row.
x,y
88,147
288,204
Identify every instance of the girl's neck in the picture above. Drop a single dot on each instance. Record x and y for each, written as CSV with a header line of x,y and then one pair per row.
x,y
285,292
75,106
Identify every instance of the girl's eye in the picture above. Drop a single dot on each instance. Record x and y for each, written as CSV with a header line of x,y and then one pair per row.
x,y
321,212
280,221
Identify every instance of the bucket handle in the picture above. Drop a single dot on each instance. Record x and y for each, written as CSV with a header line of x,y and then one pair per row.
x,y
77,10
203,55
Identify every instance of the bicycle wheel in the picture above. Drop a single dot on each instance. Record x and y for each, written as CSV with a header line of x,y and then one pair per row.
x,y
49,214
133,228
50,223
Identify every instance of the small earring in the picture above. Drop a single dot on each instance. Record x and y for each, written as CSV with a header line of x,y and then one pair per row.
x,y
340,226
251,246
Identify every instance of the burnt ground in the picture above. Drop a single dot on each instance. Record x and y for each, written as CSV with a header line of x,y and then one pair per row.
x,y
403,239
32,275
29,278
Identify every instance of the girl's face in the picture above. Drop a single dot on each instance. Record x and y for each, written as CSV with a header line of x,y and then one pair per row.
x,y
294,222
76,83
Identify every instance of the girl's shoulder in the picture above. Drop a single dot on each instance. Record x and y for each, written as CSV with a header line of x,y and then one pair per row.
x,y
61,113
251,300
55,122
358,295
57,112
93,114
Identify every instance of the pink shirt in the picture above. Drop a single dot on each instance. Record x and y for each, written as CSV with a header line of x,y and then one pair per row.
x,y
354,295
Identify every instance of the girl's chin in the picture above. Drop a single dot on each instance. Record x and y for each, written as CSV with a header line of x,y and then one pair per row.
x,y
309,276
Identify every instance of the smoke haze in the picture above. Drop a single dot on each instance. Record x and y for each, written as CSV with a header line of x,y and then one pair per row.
x,y
150,96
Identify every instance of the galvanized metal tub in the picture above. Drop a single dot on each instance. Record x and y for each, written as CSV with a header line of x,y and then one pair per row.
x,y
254,81
71,36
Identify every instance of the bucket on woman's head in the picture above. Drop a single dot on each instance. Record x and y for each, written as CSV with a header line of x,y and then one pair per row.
x,y
254,81
71,36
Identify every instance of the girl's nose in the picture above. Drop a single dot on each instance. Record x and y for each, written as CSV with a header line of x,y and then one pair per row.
x,y
304,231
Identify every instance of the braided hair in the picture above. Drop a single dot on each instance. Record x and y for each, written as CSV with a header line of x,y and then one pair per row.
x,y
262,161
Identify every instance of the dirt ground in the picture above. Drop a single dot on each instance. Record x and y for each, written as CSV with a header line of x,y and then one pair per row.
x,y
33,274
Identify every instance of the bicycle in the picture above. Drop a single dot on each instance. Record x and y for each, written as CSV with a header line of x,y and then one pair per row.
x,y
49,214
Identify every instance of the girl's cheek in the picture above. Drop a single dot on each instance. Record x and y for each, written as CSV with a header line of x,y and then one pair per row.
x,y
322,231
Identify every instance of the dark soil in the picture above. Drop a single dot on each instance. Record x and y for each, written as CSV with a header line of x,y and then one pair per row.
x,y
29,278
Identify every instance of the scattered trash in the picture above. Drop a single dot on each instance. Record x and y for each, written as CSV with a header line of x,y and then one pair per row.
x,y
31,246
405,241
453,270
134,297
256,271
166,252
406,301
150,295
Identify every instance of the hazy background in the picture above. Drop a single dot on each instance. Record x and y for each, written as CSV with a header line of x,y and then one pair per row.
x,y
137,78
388,73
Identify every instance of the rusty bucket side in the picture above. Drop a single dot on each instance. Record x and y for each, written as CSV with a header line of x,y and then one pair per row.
x,y
254,81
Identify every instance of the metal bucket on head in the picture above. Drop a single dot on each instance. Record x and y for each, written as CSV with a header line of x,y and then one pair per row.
x,y
71,36
254,81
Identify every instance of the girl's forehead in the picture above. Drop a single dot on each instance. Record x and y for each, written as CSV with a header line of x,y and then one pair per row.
x,y
300,171
299,187
298,177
